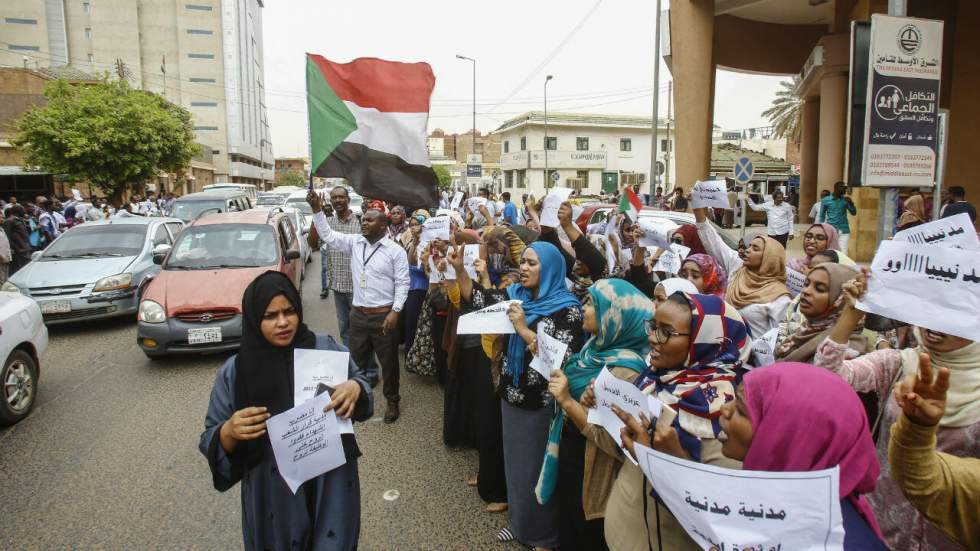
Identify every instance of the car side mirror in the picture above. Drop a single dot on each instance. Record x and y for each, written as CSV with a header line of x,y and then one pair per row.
x,y
292,254
36,254
160,253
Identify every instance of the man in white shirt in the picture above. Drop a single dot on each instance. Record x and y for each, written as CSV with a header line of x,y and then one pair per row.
x,y
815,209
379,269
779,216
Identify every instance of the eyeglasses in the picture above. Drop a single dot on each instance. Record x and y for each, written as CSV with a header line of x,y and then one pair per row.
x,y
814,237
662,334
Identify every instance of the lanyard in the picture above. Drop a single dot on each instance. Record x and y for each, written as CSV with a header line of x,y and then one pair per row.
x,y
364,251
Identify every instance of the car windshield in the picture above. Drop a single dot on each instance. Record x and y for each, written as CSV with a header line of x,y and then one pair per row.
x,y
301,204
224,246
188,210
270,201
93,241
356,200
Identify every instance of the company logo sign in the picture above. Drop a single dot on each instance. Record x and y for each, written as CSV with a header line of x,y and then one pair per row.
x,y
909,39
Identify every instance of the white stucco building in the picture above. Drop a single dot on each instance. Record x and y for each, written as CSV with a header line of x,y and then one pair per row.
x,y
589,152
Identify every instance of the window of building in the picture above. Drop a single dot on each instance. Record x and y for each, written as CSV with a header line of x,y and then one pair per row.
x,y
551,143
20,21
23,48
506,147
625,144
523,143
521,178
582,144
86,7
583,177
88,32
508,178
205,128
199,79
200,31
663,145
199,7
91,58
201,56
204,104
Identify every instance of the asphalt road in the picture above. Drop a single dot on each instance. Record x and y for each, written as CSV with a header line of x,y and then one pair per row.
x,y
109,459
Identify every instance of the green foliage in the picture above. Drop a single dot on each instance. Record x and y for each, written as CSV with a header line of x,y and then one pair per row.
x,y
291,178
107,134
787,110
445,180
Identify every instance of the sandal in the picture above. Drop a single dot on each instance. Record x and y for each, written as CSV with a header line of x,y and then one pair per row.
x,y
496,507
472,481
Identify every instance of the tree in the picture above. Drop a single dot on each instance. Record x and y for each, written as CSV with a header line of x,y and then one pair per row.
x,y
107,134
787,110
445,179
291,178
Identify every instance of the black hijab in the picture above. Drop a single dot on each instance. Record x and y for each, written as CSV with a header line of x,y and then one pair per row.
x,y
264,372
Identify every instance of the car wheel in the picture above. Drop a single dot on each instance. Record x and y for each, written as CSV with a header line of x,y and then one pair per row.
x,y
19,379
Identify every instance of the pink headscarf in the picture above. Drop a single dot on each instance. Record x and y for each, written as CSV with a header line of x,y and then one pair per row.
x,y
833,242
805,418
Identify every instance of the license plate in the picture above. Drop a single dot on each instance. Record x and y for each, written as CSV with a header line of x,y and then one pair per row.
x,y
55,306
204,335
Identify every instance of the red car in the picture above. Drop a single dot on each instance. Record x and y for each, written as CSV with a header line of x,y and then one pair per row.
x,y
194,303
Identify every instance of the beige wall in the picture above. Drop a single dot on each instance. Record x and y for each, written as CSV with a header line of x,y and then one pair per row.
x,y
21,34
693,70
964,151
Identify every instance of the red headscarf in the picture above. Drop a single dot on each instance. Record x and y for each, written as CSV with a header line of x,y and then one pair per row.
x,y
715,280
805,418
691,238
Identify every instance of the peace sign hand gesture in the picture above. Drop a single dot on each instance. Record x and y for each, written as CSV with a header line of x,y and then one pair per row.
x,y
922,397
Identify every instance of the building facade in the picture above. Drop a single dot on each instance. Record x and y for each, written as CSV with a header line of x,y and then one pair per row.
x,y
205,55
591,153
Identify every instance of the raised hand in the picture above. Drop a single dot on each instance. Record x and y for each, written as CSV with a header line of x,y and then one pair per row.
x,y
921,396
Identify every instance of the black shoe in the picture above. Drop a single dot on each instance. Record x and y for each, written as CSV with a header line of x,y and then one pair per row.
x,y
391,413
325,293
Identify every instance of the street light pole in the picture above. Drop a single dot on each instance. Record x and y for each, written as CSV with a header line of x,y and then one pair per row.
x,y
546,175
473,147
655,124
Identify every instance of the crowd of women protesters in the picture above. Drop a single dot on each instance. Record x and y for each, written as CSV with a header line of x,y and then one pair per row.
x,y
897,410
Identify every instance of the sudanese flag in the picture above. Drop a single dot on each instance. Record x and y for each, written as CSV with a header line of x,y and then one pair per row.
x,y
368,123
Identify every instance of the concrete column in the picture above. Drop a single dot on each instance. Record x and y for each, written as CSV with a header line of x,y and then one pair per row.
x,y
809,147
693,70
833,125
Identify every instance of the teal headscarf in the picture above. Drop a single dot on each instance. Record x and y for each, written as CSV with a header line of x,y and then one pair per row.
x,y
621,310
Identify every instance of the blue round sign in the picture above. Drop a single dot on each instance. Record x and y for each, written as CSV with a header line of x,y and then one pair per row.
x,y
743,170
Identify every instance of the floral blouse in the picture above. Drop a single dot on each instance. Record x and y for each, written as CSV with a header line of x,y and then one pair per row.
x,y
531,392
902,525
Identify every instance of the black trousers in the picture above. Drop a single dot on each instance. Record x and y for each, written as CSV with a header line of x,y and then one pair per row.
x,y
782,238
366,339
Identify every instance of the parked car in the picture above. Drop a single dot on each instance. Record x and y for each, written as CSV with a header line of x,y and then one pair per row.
x,y
189,207
302,230
248,189
297,200
95,270
23,339
194,303
271,199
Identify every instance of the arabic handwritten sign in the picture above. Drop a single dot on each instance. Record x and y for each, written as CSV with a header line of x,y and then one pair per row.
x,y
474,203
764,348
710,194
656,232
733,509
795,281
926,285
457,199
434,228
306,441
552,202
902,120
551,353
670,260
491,320
955,231
312,367
436,275
470,254
610,391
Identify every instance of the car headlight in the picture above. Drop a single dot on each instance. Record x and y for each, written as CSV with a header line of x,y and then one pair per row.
x,y
151,312
111,283
9,287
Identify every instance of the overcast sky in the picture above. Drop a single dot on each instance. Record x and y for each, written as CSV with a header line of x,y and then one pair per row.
x,y
605,66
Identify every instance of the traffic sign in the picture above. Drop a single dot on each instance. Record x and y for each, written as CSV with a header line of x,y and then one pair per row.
x,y
743,170
555,176
660,168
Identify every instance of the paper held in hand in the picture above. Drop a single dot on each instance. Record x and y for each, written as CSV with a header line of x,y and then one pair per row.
x,y
795,281
710,194
764,348
610,391
306,441
312,367
474,204
656,232
734,509
434,228
436,275
470,254
955,231
551,353
552,202
491,320
931,286
457,199
671,259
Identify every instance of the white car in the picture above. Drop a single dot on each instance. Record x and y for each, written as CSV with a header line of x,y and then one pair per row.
x,y
23,338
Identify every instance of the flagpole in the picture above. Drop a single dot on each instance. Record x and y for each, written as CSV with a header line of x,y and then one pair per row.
x,y
546,175
654,124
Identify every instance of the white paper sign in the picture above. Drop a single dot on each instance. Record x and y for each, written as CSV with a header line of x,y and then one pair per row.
x,y
470,254
764,347
312,367
435,275
930,286
671,259
77,195
552,202
306,441
610,391
457,199
436,227
656,233
710,194
474,204
551,353
795,281
955,231
491,320
734,509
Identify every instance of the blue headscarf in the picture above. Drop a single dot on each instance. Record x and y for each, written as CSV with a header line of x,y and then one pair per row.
x,y
552,297
621,341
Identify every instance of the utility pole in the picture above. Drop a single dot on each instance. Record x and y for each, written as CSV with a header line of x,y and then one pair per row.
x,y
655,123
546,175
670,145
888,197
473,146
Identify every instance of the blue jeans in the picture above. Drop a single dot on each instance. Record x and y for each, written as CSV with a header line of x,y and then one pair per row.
x,y
344,303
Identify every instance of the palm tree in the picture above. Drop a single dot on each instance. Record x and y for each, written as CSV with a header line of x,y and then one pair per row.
x,y
787,110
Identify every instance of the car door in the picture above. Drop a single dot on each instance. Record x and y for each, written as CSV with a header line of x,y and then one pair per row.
x,y
287,238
